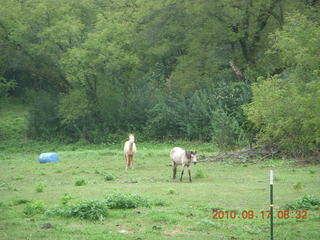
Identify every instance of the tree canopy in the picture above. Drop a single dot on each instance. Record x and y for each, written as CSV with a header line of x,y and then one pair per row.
x,y
233,72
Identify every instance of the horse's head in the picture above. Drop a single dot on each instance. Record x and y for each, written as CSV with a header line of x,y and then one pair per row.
x,y
192,156
131,137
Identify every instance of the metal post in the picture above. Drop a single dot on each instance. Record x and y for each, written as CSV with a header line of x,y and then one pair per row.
x,y
271,204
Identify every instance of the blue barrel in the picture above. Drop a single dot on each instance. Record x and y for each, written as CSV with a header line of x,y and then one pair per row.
x,y
49,158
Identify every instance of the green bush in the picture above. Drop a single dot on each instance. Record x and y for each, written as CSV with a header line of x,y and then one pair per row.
x,y
286,107
227,133
109,177
39,187
159,203
297,186
80,182
171,191
305,202
89,210
43,120
33,208
132,180
66,198
21,201
5,86
206,114
125,201
156,115
274,110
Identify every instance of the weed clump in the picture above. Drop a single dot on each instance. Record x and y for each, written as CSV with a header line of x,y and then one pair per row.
x,y
18,178
305,202
312,171
39,187
65,199
159,203
33,208
132,180
171,191
297,186
125,201
80,182
109,177
92,210
20,201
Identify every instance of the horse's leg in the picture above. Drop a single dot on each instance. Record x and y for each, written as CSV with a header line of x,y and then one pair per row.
x,y
130,161
182,169
174,168
132,158
126,158
189,171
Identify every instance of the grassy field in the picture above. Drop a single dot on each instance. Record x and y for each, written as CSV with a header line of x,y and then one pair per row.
x,y
177,210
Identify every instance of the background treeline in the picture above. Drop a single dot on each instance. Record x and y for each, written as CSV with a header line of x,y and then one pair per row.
x,y
232,72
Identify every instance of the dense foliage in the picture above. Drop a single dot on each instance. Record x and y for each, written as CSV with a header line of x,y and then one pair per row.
x,y
287,106
120,200
197,70
305,202
92,210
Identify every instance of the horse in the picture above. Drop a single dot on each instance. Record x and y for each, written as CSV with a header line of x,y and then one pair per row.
x,y
130,150
184,158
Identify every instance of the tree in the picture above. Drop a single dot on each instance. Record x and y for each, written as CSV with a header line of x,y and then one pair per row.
x,y
286,107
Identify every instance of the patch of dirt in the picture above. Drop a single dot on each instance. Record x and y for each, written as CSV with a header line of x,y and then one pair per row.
x,y
126,231
176,231
241,156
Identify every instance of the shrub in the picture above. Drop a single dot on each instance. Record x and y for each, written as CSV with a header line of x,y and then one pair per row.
x,y
21,201
43,121
80,182
132,180
297,186
294,130
305,202
191,117
109,177
65,199
227,132
89,210
312,171
40,187
125,201
159,202
286,107
171,191
19,178
34,208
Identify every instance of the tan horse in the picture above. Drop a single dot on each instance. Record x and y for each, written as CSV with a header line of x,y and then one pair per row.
x,y
184,158
130,150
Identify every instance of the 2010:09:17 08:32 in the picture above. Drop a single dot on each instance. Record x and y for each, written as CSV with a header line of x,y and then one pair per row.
x,y
250,214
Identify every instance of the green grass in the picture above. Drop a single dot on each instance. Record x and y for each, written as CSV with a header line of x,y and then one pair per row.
x,y
177,210
185,208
